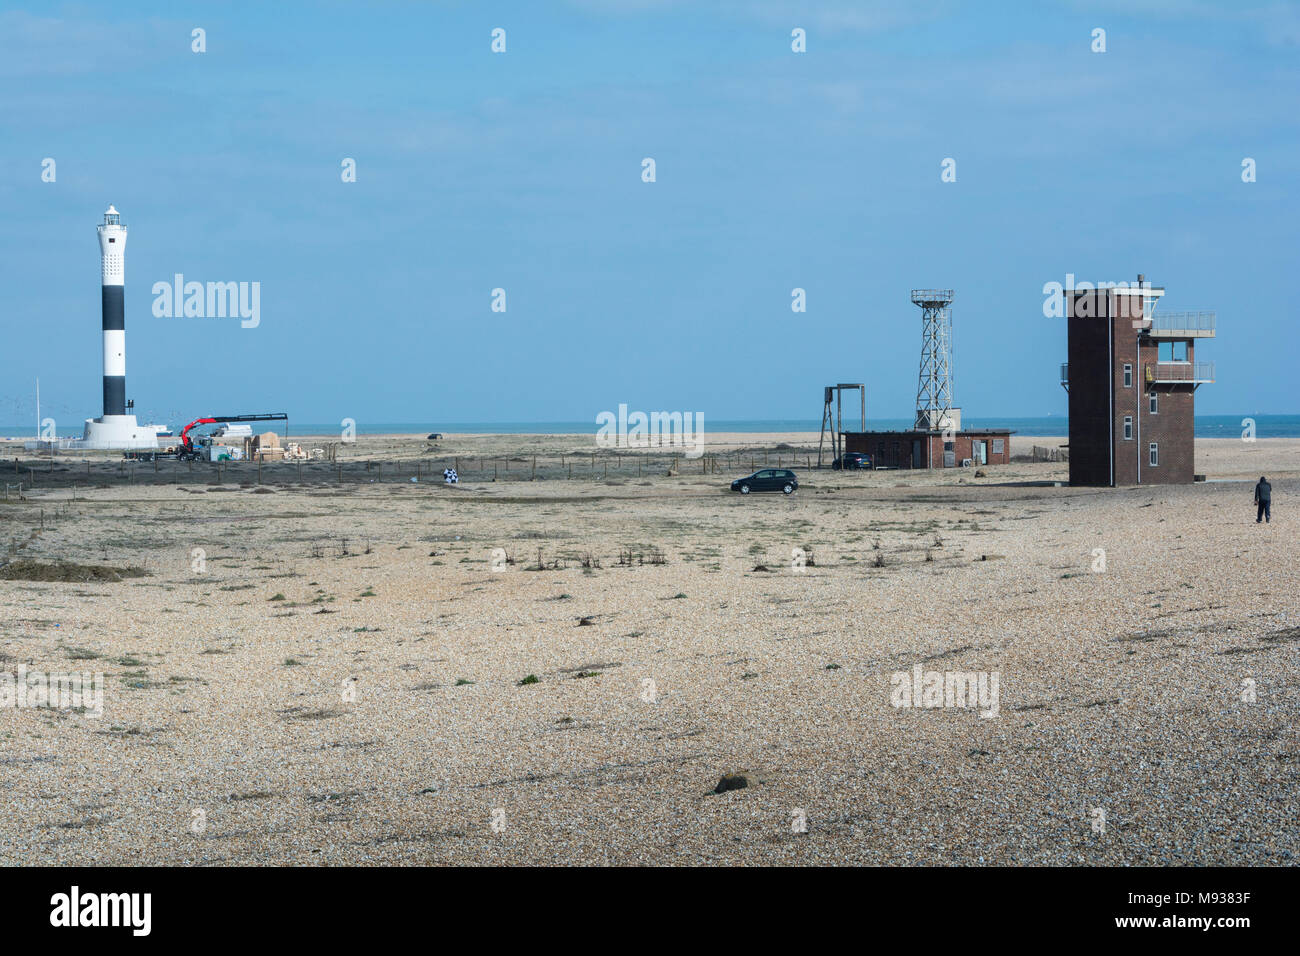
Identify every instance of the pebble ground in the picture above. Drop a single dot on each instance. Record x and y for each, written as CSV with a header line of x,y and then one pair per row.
x,y
338,680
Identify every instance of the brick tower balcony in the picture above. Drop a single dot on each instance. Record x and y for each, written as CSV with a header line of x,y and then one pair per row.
x,y
1180,373
1180,325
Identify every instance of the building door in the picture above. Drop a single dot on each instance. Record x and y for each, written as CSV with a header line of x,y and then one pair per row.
x,y
916,453
981,449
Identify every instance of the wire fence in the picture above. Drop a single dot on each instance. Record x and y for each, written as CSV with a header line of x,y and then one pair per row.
x,y
51,470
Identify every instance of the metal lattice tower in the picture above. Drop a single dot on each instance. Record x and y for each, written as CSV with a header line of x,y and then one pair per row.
x,y
934,382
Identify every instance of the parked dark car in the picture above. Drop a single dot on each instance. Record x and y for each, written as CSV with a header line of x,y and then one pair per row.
x,y
852,461
769,479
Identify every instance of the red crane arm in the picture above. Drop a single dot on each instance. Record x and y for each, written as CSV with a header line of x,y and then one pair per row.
x,y
185,432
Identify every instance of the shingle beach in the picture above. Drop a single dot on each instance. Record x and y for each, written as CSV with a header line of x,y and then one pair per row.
x,y
562,669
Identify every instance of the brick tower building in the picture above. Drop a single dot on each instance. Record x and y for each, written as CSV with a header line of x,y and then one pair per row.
x,y
1132,377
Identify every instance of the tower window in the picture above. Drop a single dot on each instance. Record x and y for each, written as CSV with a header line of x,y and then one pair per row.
x,y
1128,376
1154,449
1128,427
1153,404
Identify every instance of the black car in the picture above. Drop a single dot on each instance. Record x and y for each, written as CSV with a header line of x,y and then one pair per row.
x,y
852,461
769,479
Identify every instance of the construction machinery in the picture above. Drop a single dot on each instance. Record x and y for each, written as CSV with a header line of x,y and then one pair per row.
x,y
189,450
204,449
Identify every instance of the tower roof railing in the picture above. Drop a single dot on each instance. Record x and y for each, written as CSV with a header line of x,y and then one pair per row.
x,y
1183,322
929,296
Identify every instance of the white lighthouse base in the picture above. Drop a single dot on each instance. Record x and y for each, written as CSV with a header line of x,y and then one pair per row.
x,y
118,431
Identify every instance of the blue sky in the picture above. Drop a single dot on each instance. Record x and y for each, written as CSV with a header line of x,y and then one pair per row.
x,y
522,171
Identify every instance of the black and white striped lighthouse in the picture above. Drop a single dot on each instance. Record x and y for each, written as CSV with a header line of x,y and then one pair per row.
x,y
115,428
112,259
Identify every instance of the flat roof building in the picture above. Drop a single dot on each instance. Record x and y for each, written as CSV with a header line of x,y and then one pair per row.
x,y
916,448
1132,378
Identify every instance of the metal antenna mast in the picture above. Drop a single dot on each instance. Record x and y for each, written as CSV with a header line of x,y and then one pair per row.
x,y
934,381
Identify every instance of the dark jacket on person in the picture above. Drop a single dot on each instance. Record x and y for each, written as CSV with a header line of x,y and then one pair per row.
x,y
1263,491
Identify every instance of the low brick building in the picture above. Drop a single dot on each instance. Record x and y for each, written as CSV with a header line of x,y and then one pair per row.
x,y
1132,378
932,449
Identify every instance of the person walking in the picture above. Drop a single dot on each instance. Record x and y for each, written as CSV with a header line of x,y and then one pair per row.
x,y
1263,501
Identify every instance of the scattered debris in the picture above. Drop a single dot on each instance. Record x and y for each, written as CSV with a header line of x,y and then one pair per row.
x,y
731,781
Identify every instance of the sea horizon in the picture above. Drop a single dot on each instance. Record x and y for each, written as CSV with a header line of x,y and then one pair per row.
x,y
1206,426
